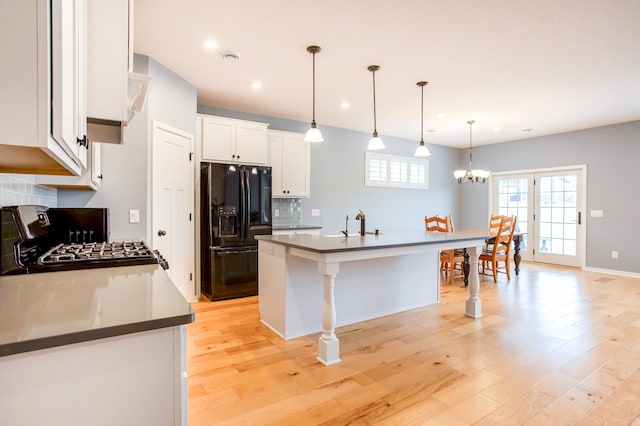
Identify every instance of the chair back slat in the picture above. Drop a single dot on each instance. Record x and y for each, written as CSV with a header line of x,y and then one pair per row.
x,y
438,224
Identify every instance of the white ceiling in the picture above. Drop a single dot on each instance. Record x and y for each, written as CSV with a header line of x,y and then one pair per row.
x,y
547,65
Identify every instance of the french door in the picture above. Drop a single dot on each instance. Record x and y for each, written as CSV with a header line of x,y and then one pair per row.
x,y
548,205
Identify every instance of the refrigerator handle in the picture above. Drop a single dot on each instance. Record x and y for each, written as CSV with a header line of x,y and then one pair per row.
x,y
247,219
243,205
209,210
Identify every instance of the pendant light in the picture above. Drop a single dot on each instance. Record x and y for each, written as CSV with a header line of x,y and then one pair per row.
x,y
375,143
422,150
313,134
469,175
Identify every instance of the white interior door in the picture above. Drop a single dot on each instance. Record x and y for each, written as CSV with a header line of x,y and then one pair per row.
x,y
548,206
172,226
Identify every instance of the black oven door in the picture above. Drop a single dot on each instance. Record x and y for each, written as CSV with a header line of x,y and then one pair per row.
x,y
234,273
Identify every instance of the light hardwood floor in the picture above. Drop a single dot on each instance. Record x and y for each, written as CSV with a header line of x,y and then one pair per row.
x,y
555,347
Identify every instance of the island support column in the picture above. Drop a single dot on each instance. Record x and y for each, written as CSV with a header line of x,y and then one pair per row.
x,y
328,343
474,304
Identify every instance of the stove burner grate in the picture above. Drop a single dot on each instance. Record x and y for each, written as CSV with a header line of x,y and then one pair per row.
x,y
65,253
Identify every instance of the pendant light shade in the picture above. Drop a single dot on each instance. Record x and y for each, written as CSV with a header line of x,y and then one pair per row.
x,y
422,150
313,134
375,143
469,175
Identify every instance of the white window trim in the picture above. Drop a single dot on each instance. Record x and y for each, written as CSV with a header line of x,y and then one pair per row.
x,y
388,158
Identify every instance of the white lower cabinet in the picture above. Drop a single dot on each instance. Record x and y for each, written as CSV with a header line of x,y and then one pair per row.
x,y
133,379
290,158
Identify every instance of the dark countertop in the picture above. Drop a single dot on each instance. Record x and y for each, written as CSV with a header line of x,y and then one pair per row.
x,y
45,310
294,227
389,239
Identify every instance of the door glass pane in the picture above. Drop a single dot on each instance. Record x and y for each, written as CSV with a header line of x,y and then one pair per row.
x,y
558,214
512,200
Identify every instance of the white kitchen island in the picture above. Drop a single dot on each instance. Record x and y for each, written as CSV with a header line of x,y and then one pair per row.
x,y
312,283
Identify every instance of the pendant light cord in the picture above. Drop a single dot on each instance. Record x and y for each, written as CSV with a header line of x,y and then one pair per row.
x,y
375,129
314,89
470,149
421,113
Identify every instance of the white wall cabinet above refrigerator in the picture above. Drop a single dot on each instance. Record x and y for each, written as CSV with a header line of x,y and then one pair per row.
x,y
229,140
42,81
290,159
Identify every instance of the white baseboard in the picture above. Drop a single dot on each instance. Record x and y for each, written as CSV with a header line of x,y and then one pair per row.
x,y
613,272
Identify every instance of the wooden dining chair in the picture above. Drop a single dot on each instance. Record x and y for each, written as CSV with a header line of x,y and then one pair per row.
x,y
494,227
448,258
499,251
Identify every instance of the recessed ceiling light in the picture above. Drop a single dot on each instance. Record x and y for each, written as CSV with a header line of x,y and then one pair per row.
x,y
431,130
440,115
256,85
210,44
497,129
345,105
231,57
527,130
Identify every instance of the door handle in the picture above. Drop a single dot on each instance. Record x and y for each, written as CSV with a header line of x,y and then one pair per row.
x,y
579,218
162,233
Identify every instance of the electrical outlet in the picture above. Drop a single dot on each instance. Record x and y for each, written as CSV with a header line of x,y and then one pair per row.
x,y
614,254
315,212
276,212
134,216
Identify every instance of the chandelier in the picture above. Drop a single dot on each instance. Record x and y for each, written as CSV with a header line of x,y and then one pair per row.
x,y
471,175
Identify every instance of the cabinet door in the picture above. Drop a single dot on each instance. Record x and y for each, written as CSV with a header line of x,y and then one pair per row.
x,y
295,166
251,143
275,161
96,165
218,136
80,79
63,73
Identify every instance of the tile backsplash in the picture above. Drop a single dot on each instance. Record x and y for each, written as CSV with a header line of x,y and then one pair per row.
x,y
18,189
289,211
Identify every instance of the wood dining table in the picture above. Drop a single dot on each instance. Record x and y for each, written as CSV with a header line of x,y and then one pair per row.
x,y
518,237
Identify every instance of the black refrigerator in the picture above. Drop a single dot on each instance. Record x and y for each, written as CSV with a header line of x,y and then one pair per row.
x,y
235,204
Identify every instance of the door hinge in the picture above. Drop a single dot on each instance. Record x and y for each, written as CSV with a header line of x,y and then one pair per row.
x,y
190,276
533,251
191,156
189,217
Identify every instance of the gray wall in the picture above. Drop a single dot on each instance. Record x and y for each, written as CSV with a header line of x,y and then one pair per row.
x,y
337,180
610,153
337,186
126,168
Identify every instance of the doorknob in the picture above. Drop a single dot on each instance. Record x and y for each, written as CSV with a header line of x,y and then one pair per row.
x,y
162,233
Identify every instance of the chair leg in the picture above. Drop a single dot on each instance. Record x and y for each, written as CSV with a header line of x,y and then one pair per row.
x,y
506,266
494,269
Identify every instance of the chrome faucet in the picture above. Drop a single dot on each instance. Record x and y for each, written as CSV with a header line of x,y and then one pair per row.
x,y
346,226
360,217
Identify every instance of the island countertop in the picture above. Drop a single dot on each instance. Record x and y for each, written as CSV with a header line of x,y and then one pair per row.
x,y
45,310
389,239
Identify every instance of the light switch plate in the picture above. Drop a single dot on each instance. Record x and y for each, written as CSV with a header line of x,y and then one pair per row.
x,y
596,213
134,216
276,212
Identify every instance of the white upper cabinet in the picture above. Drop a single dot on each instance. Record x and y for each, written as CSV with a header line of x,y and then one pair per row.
x,y
42,81
228,140
114,92
90,179
289,157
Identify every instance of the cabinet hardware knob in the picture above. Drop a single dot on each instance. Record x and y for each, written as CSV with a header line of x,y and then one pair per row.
x,y
83,142
162,233
99,176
